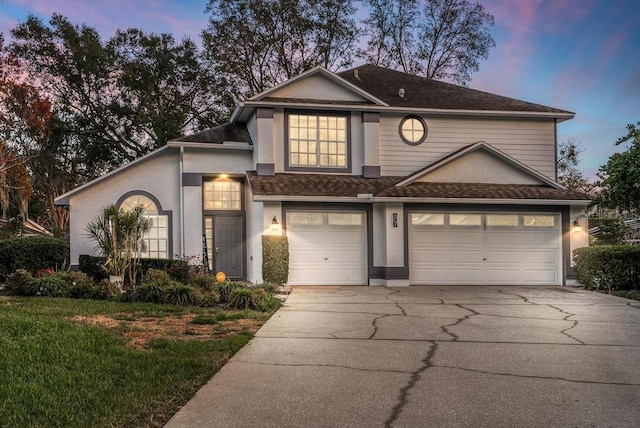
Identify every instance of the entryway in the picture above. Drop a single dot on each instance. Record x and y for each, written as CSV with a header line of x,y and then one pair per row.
x,y
223,235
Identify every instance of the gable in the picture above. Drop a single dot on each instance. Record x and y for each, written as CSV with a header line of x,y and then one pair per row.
x,y
479,166
317,87
479,163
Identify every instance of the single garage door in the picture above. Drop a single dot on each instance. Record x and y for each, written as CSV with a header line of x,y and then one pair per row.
x,y
327,248
485,248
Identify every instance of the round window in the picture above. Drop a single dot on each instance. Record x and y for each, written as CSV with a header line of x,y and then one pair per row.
x,y
413,130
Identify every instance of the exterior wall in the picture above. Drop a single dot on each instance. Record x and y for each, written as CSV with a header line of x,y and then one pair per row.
x,y
192,223
211,161
158,176
316,88
531,142
578,238
479,167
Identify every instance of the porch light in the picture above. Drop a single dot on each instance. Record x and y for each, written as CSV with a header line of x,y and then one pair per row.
x,y
576,226
275,226
223,176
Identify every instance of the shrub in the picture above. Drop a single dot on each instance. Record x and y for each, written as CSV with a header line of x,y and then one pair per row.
x,y
270,303
181,294
612,231
209,298
50,285
246,298
178,270
92,266
19,283
151,293
81,286
32,254
226,288
157,276
275,259
608,267
205,282
108,289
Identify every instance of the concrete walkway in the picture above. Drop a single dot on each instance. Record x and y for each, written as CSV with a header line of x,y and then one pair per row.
x,y
432,357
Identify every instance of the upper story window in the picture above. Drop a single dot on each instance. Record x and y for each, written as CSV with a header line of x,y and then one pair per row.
x,y
222,194
156,240
413,130
317,141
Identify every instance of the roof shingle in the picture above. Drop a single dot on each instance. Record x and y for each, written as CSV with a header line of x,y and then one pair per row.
x,y
421,92
219,134
321,185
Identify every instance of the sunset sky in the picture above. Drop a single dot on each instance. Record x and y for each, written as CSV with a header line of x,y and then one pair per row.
x,y
577,55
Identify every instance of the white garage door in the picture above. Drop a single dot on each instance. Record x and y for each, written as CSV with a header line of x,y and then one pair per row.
x,y
484,248
327,248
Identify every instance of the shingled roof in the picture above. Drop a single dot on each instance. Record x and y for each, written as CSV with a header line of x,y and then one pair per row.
x,y
420,92
219,134
350,186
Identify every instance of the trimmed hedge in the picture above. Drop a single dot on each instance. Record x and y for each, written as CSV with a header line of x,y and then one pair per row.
x,y
32,254
608,267
275,259
177,269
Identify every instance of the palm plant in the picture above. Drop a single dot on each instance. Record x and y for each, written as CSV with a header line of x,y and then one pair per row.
x,y
119,237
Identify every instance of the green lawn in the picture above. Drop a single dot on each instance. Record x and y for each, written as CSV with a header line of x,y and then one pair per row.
x,y
56,372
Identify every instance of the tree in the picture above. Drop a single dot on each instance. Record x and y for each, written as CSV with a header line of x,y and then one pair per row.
x,y
620,176
254,45
438,39
567,161
121,98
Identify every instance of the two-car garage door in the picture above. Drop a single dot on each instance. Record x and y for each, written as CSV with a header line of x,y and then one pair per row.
x,y
484,248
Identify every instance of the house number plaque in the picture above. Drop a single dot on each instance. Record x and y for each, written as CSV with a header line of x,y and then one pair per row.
x,y
395,219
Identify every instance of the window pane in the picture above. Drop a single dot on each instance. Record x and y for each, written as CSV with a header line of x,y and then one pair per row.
x,y
430,219
538,220
465,219
225,195
504,220
345,219
306,219
313,137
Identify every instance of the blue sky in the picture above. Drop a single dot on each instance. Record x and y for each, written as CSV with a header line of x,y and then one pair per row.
x,y
577,55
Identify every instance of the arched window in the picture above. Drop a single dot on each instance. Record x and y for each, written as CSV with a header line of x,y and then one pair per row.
x,y
157,238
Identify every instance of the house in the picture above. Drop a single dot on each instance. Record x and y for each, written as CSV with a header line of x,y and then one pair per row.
x,y
375,176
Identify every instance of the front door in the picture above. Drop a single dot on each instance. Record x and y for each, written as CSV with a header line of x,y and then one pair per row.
x,y
224,245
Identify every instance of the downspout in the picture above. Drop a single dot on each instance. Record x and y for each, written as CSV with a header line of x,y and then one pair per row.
x,y
181,203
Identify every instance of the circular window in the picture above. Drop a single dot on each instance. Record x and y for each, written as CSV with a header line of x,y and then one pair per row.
x,y
413,130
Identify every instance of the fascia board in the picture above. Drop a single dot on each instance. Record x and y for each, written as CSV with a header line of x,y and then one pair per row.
x,y
64,198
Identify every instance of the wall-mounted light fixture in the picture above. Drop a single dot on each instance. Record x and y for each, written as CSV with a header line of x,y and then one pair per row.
x,y
275,226
576,226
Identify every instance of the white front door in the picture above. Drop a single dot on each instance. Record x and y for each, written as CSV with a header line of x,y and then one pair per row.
x,y
485,248
327,247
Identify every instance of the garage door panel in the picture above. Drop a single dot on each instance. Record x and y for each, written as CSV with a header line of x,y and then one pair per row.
x,y
468,238
547,258
538,276
468,275
542,238
496,256
465,256
428,256
502,238
436,236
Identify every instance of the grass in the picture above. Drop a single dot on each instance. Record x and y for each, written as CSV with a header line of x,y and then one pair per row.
x,y
60,373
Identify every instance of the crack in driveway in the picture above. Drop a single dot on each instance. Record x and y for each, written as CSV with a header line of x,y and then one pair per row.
x,y
593,382
566,318
458,321
340,366
404,392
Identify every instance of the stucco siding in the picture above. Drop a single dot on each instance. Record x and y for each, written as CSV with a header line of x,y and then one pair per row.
x,y
211,161
531,142
158,176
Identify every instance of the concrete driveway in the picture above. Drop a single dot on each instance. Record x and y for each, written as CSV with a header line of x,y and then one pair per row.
x,y
432,357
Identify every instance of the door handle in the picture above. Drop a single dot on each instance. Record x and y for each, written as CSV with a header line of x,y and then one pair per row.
x,y
216,248
326,258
